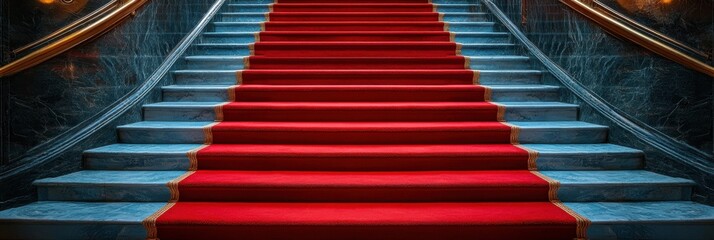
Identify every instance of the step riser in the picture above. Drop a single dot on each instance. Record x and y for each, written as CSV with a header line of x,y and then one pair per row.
x,y
448,17
221,95
192,113
467,50
318,8
111,193
238,63
237,193
175,162
466,38
339,1
229,78
196,136
255,27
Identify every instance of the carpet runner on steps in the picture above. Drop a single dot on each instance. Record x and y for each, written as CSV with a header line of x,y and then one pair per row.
x,y
392,137
409,145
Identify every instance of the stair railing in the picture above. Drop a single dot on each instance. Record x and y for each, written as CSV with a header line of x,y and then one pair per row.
x,y
95,24
624,27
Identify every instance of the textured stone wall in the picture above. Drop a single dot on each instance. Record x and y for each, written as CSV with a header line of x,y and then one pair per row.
x,y
48,100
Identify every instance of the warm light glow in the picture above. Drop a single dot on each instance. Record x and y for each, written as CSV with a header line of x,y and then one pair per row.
x,y
46,1
666,1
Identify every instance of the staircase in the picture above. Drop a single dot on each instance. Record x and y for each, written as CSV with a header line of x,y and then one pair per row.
x,y
391,119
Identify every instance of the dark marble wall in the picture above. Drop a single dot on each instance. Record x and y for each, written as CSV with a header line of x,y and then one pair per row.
x,y
688,21
67,91
649,88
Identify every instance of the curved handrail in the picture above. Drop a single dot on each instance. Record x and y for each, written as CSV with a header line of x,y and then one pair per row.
x,y
618,28
650,136
59,145
630,21
66,29
72,40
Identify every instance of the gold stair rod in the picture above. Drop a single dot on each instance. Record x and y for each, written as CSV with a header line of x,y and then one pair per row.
x,y
620,29
101,26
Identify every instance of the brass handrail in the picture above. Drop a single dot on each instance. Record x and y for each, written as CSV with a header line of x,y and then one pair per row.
x,y
103,25
657,34
59,32
618,28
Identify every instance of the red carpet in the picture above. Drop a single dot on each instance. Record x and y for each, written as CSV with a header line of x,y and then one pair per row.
x,y
360,121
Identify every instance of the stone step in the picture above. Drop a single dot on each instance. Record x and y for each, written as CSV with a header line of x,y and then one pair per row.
x,y
362,26
149,186
143,157
261,17
219,93
352,36
672,220
228,77
297,111
342,7
340,1
369,49
551,132
227,62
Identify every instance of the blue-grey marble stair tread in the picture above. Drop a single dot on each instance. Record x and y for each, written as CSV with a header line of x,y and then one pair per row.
x,y
566,178
205,111
671,220
550,157
75,212
95,177
500,93
530,132
95,185
270,3
488,77
76,220
480,23
610,220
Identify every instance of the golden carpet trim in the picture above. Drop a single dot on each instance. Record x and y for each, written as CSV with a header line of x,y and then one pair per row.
x,y
452,36
232,93
581,222
441,17
267,16
553,186
246,62
477,77
532,157
515,132
433,7
458,49
251,49
173,185
467,62
486,94
257,36
270,7
193,157
150,222
239,77
208,134
446,26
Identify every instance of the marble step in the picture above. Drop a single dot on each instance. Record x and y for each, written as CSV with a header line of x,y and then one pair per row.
x,y
257,111
261,16
228,77
228,62
151,186
666,220
386,36
499,93
243,49
365,26
341,1
341,7
142,157
550,132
